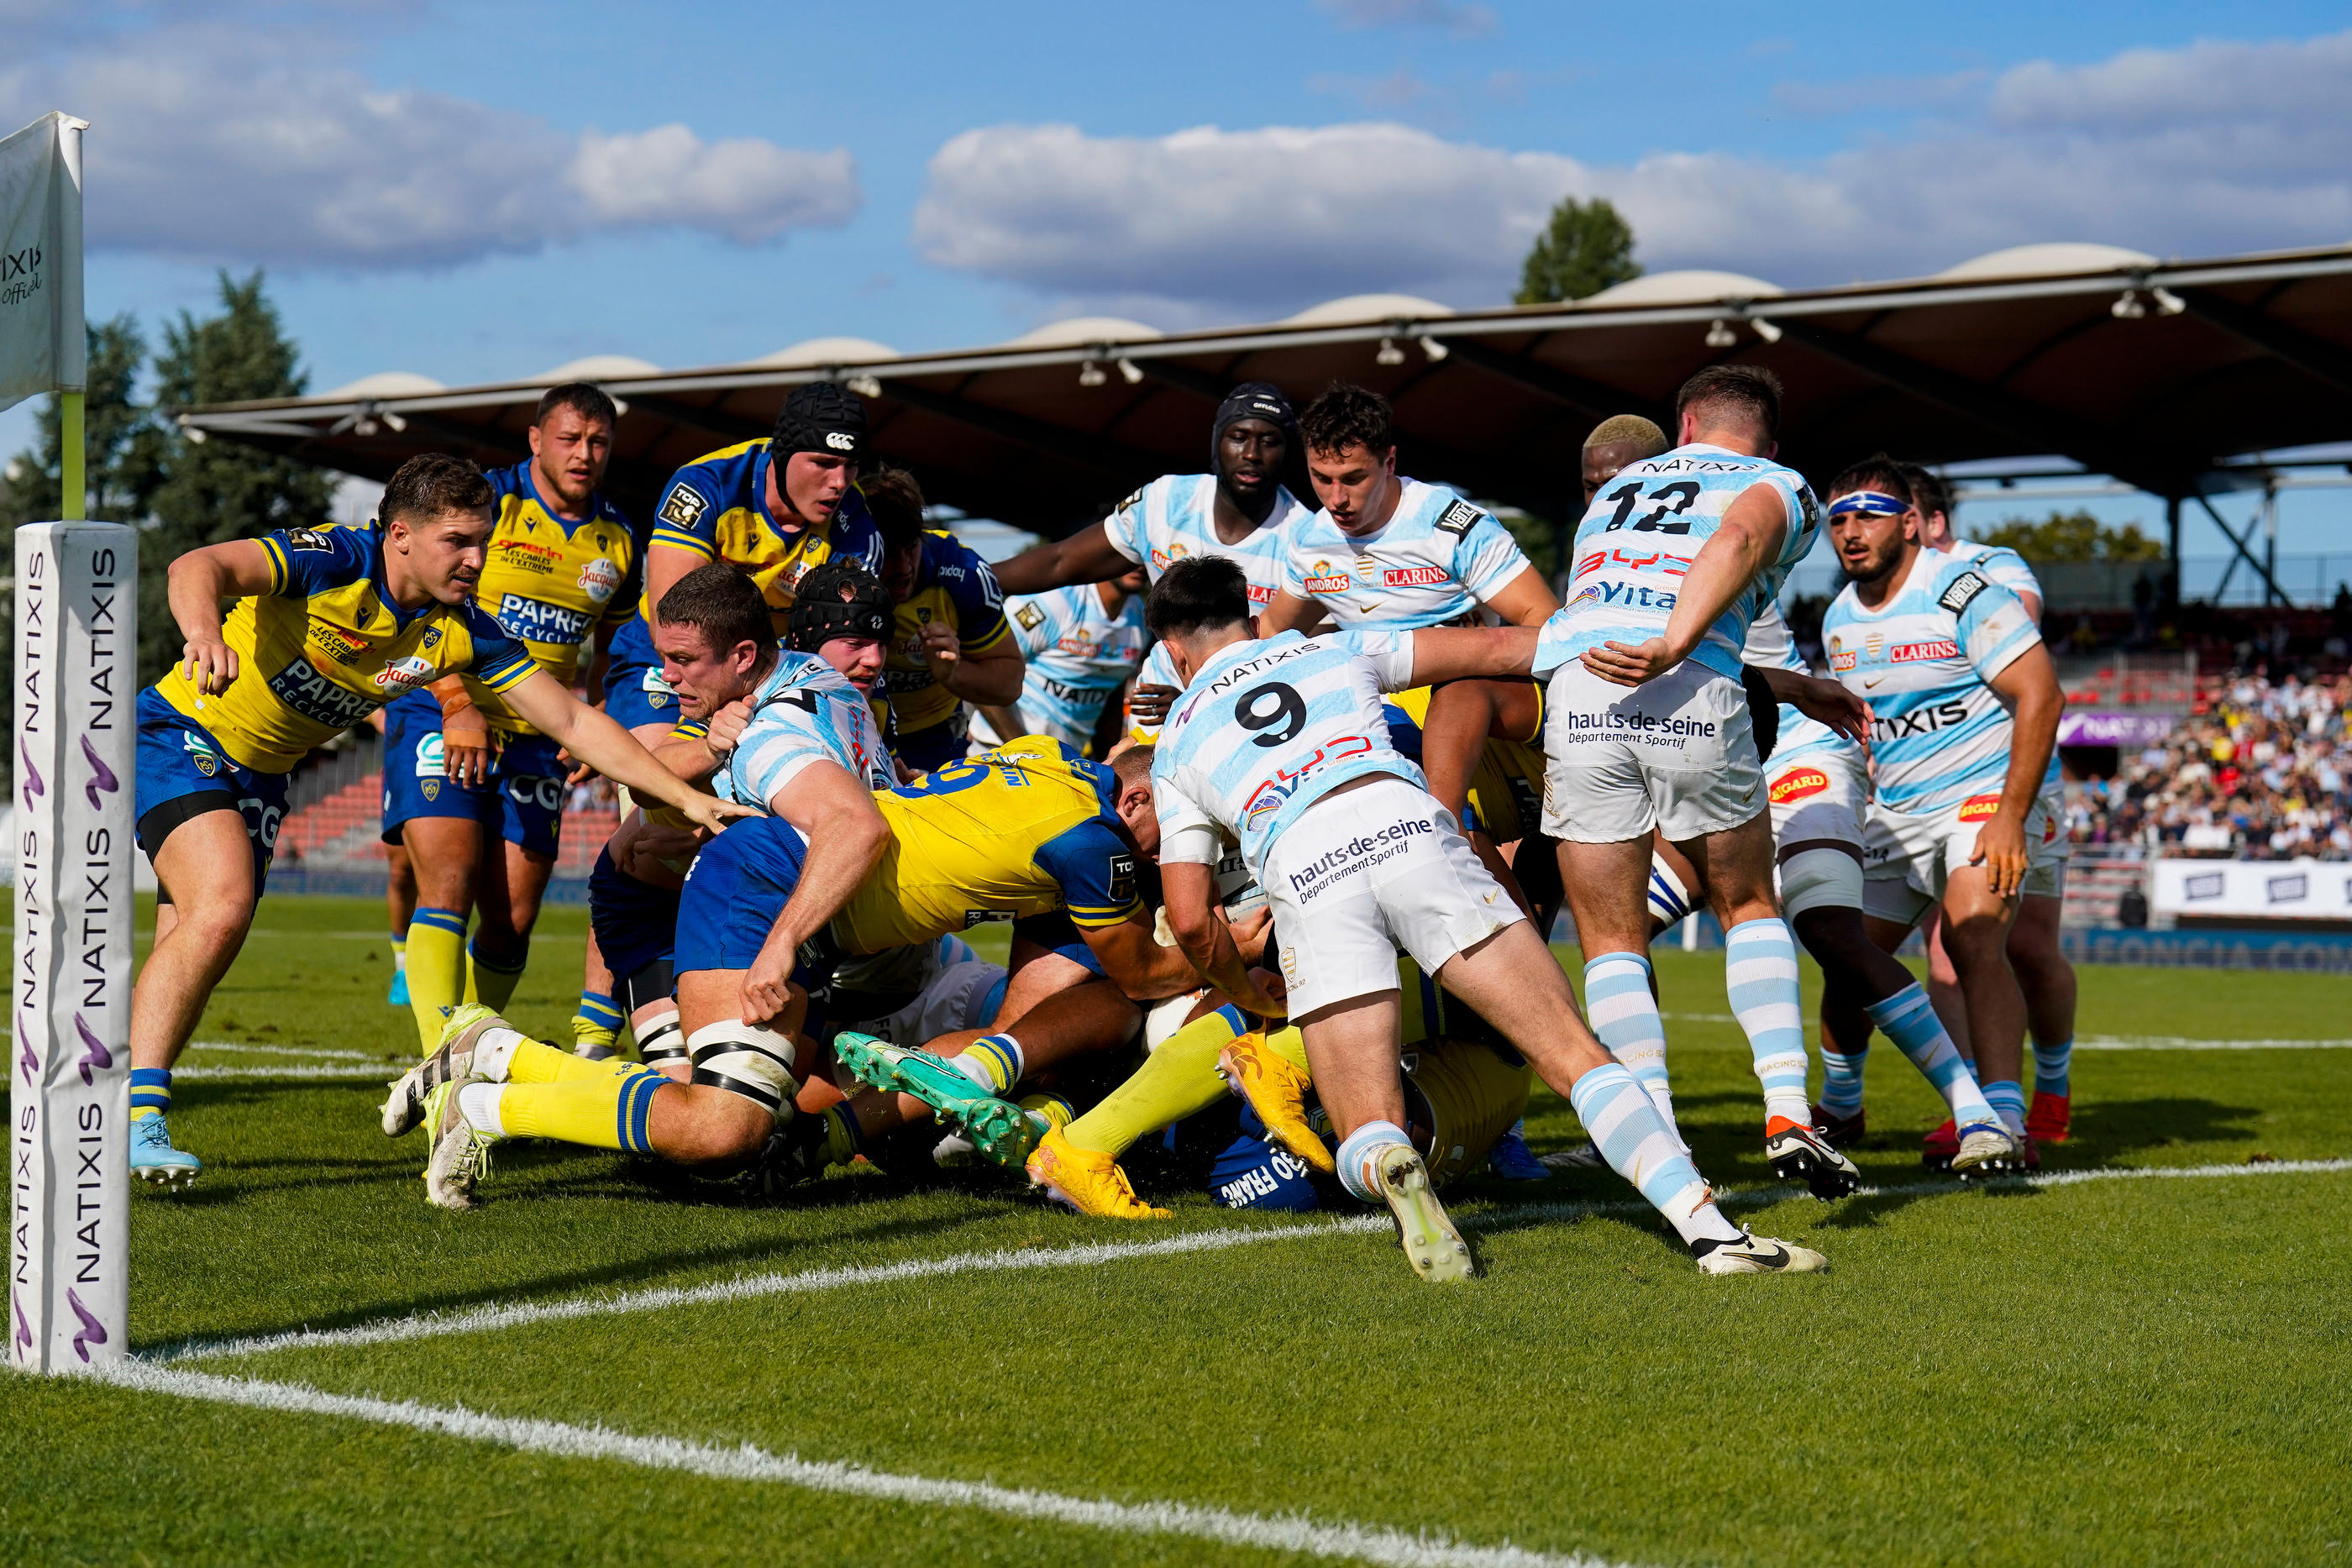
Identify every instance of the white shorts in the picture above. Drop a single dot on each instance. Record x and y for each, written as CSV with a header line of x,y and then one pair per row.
x,y
953,989
2045,874
1364,873
1676,754
1819,795
1906,858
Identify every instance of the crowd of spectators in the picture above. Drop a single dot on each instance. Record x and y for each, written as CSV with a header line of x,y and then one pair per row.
x,y
2264,773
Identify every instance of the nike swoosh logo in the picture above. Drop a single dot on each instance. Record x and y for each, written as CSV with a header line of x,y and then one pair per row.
x,y
1779,1256
1871,684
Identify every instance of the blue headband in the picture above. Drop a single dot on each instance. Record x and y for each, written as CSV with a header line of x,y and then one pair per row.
x,y
1869,504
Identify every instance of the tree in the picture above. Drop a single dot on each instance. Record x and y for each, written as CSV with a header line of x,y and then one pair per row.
x,y
2076,536
1585,249
125,452
217,490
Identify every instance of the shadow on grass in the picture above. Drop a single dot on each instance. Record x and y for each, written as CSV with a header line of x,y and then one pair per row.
x,y
632,1271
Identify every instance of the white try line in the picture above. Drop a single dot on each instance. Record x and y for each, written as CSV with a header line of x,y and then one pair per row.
x,y
2180,1043
288,1062
662,1298
381,1074
1293,1532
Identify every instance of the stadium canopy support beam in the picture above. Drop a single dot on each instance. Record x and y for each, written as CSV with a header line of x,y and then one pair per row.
x,y
1185,377
717,421
1096,455
2270,583
1592,399
2319,360
2016,416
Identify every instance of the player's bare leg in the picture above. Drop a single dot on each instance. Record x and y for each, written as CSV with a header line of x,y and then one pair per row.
x,y
1943,984
2048,981
399,908
1352,1048
205,864
595,1032
1976,933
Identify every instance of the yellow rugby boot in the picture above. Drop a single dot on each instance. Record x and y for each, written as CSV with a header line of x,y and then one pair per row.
x,y
1277,1092
1086,1180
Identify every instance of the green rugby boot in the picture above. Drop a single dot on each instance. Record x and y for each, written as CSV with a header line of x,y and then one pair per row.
x,y
998,1128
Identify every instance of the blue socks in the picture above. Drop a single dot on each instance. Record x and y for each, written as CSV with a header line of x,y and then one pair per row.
x,y
1360,1156
1624,1015
2053,1065
1760,974
1909,1019
1616,1112
2007,1098
151,1091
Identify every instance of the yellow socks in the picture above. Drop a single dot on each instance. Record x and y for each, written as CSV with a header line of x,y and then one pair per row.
x,y
533,1062
1173,1082
492,981
436,970
609,1110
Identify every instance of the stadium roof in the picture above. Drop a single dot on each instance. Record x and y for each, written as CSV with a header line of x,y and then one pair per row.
x,y
2157,372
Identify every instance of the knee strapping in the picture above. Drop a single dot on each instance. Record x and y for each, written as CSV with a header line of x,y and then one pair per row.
x,y
659,1041
1820,879
1670,901
746,1060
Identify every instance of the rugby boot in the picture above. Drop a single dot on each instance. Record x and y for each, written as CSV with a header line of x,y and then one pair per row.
x,y
460,1156
998,1128
2047,1119
1936,1150
1432,1245
1753,1254
1585,1156
153,1157
1086,1179
1800,1153
1511,1159
1841,1132
404,1106
1986,1148
794,1153
1277,1092
397,995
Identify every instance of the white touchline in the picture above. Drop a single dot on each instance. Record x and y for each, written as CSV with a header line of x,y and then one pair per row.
x,y
1362,1543
483,1320
383,1074
324,1052
2180,1043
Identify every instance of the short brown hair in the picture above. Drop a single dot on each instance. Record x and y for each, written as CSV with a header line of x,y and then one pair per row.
x,y
1347,415
432,484
589,401
721,601
1749,390
1878,472
1929,491
897,503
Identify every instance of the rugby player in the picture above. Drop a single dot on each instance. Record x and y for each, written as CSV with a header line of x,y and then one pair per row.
x,y
1965,705
951,644
1268,741
1648,732
327,626
1082,645
837,870
2035,953
462,773
1240,509
777,508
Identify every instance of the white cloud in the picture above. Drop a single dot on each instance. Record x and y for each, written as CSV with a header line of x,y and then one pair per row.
x,y
2211,149
243,143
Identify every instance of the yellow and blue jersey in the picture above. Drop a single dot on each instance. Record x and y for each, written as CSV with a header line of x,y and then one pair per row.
x,y
1506,787
550,582
953,584
326,646
1027,829
716,507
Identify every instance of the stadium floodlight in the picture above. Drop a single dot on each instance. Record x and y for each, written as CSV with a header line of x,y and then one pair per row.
x,y
1090,374
1433,348
865,386
69,1084
1129,372
1389,353
1767,330
1719,334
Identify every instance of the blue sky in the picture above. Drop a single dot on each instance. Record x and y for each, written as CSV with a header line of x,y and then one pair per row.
x,y
487,191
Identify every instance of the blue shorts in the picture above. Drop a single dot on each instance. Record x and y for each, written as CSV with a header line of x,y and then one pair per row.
x,y
1253,1171
733,893
522,802
635,922
634,693
183,772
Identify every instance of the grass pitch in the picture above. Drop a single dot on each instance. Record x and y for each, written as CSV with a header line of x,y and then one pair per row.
x,y
2126,1370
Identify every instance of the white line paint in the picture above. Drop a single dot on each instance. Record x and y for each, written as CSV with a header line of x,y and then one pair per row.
x,y
1294,1534
381,1073
321,1051
2180,1043
488,1319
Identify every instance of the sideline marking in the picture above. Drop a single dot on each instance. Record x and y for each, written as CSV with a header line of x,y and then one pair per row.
x,y
1297,1534
383,1074
482,1319
2181,1042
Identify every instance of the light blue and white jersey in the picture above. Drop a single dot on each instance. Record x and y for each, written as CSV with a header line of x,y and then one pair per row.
x,y
1436,560
1266,729
804,712
2000,564
1080,657
1770,647
1642,533
1175,517
1938,734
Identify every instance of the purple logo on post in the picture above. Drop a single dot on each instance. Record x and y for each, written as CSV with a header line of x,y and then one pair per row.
x,y
94,1051
32,785
101,777
93,1330
24,1329
26,1060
